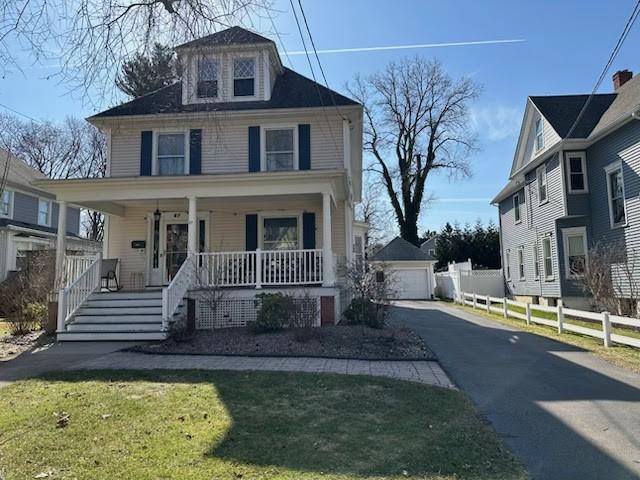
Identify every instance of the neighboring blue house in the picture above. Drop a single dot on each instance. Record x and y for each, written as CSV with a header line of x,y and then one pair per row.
x,y
570,186
29,216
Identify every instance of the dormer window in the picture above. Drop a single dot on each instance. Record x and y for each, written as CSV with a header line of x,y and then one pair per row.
x,y
207,78
244,72
539,135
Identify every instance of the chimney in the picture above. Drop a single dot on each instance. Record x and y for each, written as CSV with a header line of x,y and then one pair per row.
x,y
620,78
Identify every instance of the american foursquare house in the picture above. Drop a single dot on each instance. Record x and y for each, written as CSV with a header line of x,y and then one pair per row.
x,y
574,182
243,175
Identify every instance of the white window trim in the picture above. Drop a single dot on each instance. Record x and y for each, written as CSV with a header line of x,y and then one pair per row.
x,y
547,278
583,160
168,131
280,214
535,134
256,68
542,168
517,220
196,76
507,270
609,169
536,262
50,212
263,144
521,263
10,212
566,233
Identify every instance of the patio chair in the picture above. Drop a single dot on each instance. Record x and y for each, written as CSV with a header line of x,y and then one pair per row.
x,y
108,272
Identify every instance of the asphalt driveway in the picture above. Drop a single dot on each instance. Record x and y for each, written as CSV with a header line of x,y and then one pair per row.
x,y
564,412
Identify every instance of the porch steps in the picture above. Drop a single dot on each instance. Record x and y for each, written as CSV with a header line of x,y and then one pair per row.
x,y
117,316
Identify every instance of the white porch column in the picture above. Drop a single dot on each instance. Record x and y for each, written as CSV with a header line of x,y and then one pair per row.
x,y
327,251
192,243
61,243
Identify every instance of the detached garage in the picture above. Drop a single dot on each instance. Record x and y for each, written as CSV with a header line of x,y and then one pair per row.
x,y
410,267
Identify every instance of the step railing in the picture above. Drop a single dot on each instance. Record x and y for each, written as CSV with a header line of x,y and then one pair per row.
x,y
72,296
174,293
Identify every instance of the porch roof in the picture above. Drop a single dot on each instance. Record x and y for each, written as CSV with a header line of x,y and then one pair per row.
x,y
110,195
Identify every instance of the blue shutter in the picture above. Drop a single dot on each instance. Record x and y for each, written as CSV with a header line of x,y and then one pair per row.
x,y
304,146
146,148
251,232
308,230
195,152
254,149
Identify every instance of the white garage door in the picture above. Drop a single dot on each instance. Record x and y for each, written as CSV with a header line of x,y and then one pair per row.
x,y
411,283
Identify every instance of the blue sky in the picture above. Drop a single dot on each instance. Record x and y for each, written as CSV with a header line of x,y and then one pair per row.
x,y
566,46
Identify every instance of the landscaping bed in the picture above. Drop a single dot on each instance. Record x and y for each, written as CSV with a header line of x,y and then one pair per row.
x,y
332,342
13,345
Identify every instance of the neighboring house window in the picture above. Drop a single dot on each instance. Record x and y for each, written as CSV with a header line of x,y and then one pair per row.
x,y
575,251
516,208
432,252
521,263
539,134
379,276
577,167
243,77
5,204
207,78
508,265
280,149
44,212
541,175
171,154
547,260
615,189
280,233
536,262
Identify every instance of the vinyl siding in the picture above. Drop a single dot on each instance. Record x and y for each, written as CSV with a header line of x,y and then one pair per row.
x,y
225,141
550,137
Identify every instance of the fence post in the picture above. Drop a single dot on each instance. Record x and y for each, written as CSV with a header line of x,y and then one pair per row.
x,y
62,309
560,318
505,307
528,312
475,301
606,329
488,302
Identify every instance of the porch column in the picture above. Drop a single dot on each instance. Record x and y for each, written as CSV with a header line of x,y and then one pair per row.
x,y
192,230
327,251
61,243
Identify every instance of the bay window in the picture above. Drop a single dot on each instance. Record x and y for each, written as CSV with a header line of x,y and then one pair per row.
x,y
615,190
170,158
280,149
280,233
575,251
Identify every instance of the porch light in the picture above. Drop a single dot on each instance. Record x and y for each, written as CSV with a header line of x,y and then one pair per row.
x,y
156,215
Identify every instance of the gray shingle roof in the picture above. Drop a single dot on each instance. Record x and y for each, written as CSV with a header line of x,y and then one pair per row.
x,y
399,249
291,90
230,36
627,99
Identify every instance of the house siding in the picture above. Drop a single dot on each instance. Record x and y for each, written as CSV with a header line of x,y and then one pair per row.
x,y
225,141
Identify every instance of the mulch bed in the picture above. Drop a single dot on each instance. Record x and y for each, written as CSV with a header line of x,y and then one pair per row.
x,y
13,345
354,342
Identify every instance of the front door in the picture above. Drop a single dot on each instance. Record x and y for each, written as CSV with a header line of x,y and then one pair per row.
x,y
176,248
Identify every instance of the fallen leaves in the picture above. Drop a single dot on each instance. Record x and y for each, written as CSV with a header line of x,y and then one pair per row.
x,y
62,419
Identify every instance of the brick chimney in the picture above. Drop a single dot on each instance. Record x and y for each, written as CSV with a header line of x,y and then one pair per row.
x,y
621,77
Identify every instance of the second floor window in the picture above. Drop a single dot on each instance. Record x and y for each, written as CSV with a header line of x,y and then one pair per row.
x,y
539,134
170,158
547,259
207,78
615,189
243,77
279,149
541,175
5,204
516,208
44,212
576,165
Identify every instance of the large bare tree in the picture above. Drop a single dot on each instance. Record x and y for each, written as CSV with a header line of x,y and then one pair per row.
x,y
416,123
88,40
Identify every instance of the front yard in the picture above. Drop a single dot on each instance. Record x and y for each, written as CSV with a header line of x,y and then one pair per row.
x,y
223,425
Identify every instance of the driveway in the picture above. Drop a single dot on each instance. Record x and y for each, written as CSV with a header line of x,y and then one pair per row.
x,y
564,412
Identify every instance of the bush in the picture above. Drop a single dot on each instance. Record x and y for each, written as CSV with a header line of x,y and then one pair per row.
x,y
362,311
274,312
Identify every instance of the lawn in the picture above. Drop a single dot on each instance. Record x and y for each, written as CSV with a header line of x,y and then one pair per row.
x,y
620,355
243,425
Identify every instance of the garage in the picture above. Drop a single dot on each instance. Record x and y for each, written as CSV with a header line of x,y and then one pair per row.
x,y
410,268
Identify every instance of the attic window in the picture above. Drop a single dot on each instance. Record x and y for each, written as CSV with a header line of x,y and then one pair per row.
x,y
539,135
207,78
243,77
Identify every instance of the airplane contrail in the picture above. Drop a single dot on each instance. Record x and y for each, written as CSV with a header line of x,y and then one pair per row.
x,y
419,45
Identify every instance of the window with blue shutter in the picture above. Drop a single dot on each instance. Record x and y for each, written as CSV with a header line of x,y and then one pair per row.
x,y
304,146
146,152
195,152
254,149
308,230
251,232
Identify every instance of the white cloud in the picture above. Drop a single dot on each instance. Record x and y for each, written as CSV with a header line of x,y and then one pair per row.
x,y
496,123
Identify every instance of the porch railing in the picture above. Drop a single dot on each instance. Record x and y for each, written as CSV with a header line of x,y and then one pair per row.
x,y
72,296
261,267
173,293
76,265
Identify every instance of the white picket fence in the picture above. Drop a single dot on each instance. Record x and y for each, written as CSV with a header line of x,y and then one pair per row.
x,y
563,317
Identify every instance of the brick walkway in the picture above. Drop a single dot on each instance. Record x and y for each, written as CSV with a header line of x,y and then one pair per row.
x,y
425,372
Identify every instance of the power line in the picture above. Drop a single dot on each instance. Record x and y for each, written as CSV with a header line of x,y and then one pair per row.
x,y
614,53
19,113
286,53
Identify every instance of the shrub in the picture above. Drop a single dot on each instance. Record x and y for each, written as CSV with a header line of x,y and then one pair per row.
x,y
274,312
362,311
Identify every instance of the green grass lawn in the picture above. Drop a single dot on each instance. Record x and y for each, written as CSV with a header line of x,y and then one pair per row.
x,y
242,425
620,355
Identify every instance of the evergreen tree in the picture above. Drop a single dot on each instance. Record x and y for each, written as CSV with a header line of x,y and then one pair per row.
x,y
146,73
480,244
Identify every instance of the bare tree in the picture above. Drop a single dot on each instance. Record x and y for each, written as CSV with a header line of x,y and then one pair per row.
x,y
416,122
88,40
370,290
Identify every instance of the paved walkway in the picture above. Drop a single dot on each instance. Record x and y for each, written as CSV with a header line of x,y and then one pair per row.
x,y
566,413
425,372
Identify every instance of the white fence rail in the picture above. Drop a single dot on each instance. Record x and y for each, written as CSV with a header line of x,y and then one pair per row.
x,y
173,294
486,282
76,265
72,296
561,317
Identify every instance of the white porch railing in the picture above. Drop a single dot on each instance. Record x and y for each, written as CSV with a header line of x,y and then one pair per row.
x,y
173,294
261,267
72,296
76,265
